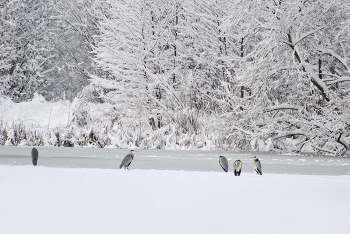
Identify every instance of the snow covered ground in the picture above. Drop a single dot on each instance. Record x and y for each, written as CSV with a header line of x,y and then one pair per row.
x,y
72,200
81,190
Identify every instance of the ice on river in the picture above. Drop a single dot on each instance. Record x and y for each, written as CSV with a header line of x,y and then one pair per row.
x,y
174,160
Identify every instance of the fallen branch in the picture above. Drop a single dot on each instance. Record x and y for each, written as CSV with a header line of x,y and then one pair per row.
x,y
282,107
323,150
289,135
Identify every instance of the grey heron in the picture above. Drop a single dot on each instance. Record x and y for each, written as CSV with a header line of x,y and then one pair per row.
x,y
238,166
257,165
35,155
127,160
223,163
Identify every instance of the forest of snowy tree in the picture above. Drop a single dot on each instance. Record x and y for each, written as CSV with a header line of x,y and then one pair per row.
x,y
269,75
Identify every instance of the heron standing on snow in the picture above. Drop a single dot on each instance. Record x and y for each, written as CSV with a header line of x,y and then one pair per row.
x,y
238,166
223,163
127,160
257,165
35,155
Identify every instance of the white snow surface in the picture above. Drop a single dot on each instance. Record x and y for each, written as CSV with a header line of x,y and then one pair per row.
x,y
35,114
70,200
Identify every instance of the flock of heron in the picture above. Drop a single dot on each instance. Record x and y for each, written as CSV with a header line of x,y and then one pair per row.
x,y
222,161
237,165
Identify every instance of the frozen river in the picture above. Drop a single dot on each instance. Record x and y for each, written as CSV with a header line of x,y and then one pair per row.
x,y
174,160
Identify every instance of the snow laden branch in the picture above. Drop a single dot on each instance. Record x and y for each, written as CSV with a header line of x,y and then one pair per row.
x,y
336,56
295,41
338,79
315,79
341,141
320,84
235,128
282,107
289,134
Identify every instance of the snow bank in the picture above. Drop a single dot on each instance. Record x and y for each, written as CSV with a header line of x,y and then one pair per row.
x,y
46,200
35,114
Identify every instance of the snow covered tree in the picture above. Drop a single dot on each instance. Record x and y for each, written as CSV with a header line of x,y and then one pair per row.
x,y
26,49
76,25
292,51
161,58
45,48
